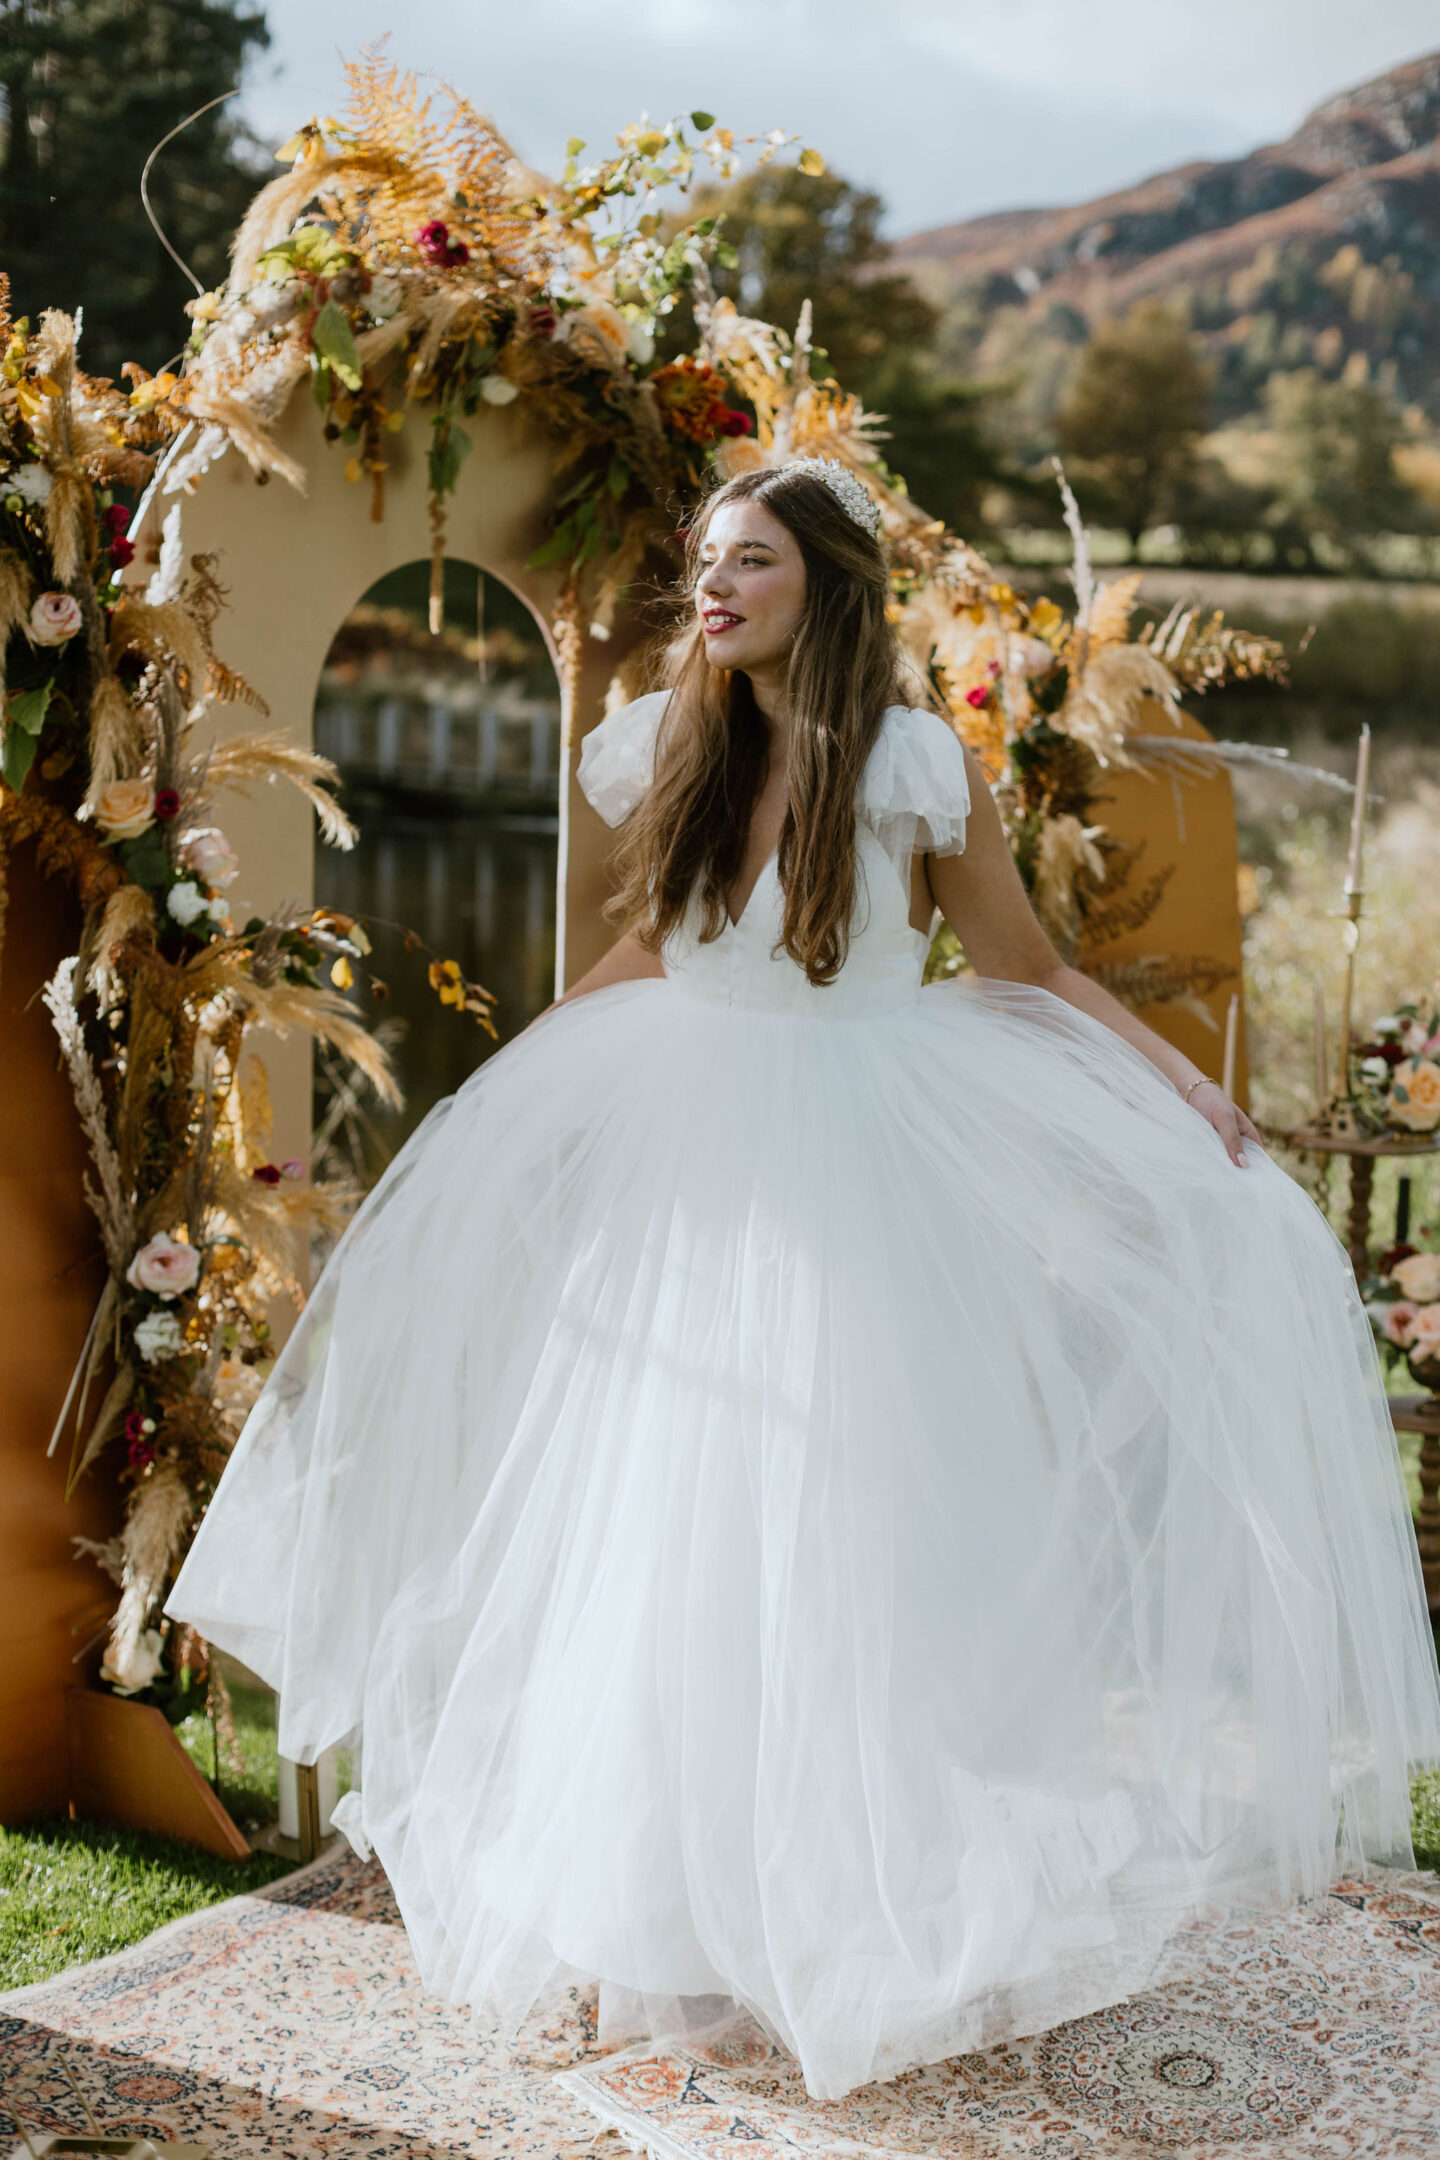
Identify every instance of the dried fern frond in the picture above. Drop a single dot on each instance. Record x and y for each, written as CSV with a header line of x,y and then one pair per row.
x,y
1111,609
247,759
1128,910
1162,979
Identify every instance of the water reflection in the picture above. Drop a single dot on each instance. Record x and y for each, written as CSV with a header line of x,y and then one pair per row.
x,y
448,750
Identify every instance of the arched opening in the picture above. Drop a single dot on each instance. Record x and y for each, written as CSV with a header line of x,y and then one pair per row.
x,y
449,750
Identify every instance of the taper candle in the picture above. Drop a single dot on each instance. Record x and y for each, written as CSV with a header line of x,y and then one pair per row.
x,y
1320,1073
1232,1043
1357,819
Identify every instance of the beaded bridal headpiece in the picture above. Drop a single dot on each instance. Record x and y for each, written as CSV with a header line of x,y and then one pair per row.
x,y
852,495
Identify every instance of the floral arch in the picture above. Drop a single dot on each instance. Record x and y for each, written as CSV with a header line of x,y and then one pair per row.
x,y
408,274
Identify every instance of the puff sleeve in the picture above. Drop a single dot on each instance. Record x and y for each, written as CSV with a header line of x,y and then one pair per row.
x,y
914,792
617,757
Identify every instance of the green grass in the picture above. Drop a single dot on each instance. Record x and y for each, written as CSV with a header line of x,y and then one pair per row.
x,y
72,1891
252,1794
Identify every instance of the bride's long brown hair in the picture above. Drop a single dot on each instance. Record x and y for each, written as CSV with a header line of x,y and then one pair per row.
x,y
712,750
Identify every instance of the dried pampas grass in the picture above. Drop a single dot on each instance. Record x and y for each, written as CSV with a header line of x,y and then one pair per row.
x,y
117,737
247,759
1110,699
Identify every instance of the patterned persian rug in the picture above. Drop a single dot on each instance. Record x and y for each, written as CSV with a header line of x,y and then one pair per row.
x,y
291,2023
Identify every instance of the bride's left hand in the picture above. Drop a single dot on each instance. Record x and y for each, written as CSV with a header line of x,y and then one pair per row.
x,y
1228,1119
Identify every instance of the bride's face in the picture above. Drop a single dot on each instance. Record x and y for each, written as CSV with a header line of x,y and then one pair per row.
x,y
750,594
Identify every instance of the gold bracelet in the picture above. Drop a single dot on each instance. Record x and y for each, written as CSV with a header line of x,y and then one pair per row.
x,y
1203,1081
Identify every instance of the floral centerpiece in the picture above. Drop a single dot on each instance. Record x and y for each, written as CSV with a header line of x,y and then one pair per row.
x,y
1403,1300
1398,1072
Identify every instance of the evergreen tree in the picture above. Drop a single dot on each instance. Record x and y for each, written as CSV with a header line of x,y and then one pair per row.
x,y
1335,456
89,88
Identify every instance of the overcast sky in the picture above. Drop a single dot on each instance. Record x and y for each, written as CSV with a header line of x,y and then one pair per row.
x,y
948,107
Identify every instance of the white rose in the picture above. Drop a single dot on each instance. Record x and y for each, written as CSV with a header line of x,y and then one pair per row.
x,y
133,1665
165,1267
498,390
185,902
209,854
125,809
158,1337
1418,1277
1375,1068
55,618
30,482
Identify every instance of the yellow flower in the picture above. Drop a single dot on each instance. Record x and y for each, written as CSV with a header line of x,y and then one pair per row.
x,y
342,974
447,979
353,468
1044,617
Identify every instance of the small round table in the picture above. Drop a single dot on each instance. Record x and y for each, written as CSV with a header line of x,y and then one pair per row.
x,y
1363,1155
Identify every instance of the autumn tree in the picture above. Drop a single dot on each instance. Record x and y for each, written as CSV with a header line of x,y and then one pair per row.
x,y
1335,445
791,237
1136,408
89,87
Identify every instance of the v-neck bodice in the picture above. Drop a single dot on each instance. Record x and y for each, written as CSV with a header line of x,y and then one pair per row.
x,y
747,966
913,794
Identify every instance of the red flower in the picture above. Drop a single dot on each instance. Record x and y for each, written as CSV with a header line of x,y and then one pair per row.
x,y
267,1174
978,696
117,517
121,552
730,422
135,1425
140,1452
542,322
167,804
435,244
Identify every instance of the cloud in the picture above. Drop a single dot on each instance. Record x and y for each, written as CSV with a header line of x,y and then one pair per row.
x,y
948,107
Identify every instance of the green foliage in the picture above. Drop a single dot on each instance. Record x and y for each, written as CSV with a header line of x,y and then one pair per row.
x,y
1337,444
89,88
71,1891
1137,406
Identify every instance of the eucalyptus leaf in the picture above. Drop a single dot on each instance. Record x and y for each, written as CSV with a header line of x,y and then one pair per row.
x,y
27,708
702,120
334,340
16,757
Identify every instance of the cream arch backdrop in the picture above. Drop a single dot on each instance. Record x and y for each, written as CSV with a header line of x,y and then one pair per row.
x,y
294,565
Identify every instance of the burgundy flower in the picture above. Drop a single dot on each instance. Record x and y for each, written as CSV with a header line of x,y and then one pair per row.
x,y
117,517
730,422
269,1173
542,322
122,551
140,1452
167,804
1387,1262
436,245
135,1425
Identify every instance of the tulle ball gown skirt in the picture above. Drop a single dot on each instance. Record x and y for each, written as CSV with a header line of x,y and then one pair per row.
x,y
862,1513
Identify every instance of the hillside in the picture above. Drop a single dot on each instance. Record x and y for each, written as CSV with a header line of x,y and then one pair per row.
x,y
1320,251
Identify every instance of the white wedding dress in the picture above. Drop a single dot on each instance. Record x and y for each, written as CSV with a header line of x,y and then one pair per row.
x,y
840,1500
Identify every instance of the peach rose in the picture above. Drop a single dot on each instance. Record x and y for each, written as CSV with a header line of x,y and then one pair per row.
x,y
165,1267
1397,1320
1418,1277
1415,1095
1425,1333
125,809
55,618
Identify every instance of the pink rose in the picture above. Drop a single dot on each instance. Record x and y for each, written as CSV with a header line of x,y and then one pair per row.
x,y
209,854
164,1267
55,618
1398,1321
1425,1333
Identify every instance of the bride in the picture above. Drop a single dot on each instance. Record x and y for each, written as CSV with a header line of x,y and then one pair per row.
x,y
869,1503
